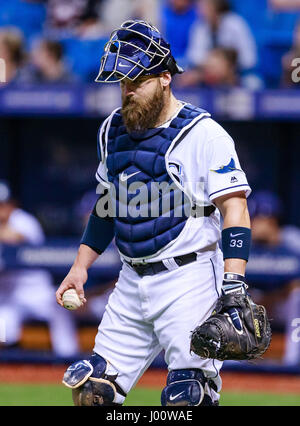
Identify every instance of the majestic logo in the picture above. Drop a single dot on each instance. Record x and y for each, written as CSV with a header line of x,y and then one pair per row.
x,y
227,169
141,199
124,177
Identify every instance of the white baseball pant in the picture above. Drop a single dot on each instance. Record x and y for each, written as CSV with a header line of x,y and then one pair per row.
x,y
147,314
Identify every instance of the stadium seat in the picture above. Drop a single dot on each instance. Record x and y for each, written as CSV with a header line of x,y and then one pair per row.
x,y
273,32
83,56
176,29
29,17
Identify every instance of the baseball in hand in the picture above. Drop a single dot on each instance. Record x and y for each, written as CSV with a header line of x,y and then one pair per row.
x,y
71,300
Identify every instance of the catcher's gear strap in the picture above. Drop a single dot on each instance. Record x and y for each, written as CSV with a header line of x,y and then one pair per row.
x,y
98,233
233,278
93,383
234,283
184,388
236,243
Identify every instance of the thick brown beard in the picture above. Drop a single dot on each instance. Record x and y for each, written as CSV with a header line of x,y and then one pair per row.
x,y
142,114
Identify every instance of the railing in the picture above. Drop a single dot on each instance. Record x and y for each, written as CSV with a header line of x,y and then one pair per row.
x,y
99,100
57,256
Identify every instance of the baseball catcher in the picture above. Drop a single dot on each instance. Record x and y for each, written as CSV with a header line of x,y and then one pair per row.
x,y
238,329
167,172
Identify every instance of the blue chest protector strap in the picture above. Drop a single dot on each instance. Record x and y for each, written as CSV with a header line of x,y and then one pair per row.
x,y
142,157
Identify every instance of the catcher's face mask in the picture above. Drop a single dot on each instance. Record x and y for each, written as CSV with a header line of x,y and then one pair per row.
x,y
136,48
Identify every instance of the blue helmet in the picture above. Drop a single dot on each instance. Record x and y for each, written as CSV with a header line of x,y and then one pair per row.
x,y
136,48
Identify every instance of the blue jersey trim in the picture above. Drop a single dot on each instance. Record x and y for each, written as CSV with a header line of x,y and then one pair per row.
x,y
101,178
229,187
98,144
215,278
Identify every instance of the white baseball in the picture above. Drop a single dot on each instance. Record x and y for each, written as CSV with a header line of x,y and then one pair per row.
x,y
71,300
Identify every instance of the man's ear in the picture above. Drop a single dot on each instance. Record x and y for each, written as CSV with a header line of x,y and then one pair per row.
x,y
165,79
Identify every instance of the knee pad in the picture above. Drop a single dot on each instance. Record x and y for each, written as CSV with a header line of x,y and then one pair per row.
x,y
92,384
186,388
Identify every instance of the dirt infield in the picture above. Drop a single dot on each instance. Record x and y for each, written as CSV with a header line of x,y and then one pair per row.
x,y
42,374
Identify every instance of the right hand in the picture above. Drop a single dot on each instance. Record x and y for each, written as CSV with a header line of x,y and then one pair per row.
x,y
76,279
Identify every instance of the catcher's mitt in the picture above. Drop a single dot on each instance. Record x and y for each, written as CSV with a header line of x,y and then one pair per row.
x,y
218,337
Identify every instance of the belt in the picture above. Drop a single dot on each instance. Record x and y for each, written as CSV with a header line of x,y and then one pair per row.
x,y
143,269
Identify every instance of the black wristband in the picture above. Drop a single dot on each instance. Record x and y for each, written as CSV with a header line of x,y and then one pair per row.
x,y
236,243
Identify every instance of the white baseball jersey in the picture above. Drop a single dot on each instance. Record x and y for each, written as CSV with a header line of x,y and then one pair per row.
x,y
207,165
147,314
233,32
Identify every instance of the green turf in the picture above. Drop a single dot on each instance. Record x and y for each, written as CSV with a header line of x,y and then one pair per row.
x,y
259,399
36,395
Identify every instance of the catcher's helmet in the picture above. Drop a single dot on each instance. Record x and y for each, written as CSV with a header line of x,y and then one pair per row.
x,y
136,48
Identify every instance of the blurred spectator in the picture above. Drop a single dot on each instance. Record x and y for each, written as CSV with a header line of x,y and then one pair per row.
x,y
287,61
26,15
271,205
12,51
218,71
97,292
177,18
291,237
91,28
285,5
273,270
83,209
147,10
276,38
29,294
67,14
221,28
48,63
115,12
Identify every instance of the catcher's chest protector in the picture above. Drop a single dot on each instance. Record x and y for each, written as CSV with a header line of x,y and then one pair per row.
x,y
141,157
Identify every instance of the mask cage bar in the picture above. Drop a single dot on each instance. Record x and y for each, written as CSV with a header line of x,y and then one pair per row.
x,y
161,52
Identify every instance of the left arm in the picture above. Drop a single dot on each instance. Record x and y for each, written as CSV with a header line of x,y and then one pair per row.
x,y
234,210
238,328
236,238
